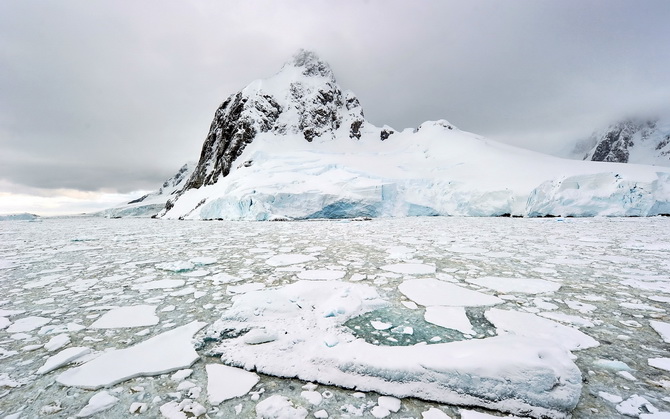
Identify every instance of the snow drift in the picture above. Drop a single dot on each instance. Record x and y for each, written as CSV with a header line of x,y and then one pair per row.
x,y
297,146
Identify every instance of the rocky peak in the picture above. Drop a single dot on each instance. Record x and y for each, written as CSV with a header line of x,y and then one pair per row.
x,y
311,64
303,99
633,140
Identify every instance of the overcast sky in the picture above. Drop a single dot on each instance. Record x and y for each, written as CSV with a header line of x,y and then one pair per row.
x,y
100,99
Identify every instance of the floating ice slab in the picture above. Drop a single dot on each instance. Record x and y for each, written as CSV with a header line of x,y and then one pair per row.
x,y
178,266
129,316
473,414
433,292
410,268
434,413
63,357
660,363
27,324
289,259
174,347
662,328
159,284
532,326
509,373
449,317
321,274
224,382
276,407
57,342
519,285
99,402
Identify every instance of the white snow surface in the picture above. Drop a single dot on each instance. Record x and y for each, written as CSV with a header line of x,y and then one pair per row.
x,y
435,169
475,372
174,347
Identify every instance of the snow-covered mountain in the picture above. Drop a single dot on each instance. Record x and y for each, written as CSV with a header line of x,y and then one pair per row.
x,y
629,141
150,204
296,145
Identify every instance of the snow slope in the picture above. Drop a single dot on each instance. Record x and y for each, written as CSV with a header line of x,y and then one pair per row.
x,y
153,202
296,146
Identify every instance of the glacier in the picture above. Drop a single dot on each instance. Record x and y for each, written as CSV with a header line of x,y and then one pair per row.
x,y
297,146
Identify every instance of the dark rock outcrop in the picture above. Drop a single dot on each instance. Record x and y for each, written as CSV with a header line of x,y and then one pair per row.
x,y
311,104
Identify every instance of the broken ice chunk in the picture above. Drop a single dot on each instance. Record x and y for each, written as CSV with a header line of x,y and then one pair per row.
x,y
97,403
62,358
518,285
450,317
259,336
130,316
224,382
433,292
119,365
279,407
27,324
410,268
662,328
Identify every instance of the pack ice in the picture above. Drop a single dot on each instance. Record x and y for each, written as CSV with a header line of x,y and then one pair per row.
x,y
297,331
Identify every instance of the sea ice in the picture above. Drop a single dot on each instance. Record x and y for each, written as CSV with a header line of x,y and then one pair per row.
x,y
129,316
178,266
530,325
568,318
174,346
531,374
434,413
660,363
449,317
27,324
62,358
276,407
662,328
410,268
159,284
224,382
321,274
99,402
57,342
289,259
433,292
516,285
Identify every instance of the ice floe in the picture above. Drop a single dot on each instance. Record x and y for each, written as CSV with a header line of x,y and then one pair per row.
x,y
530,325
129,316
450,317
224,382
515,285
474,372
174,347
433,292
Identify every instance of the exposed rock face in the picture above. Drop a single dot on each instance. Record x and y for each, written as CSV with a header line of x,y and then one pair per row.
x,y
303,98
630,141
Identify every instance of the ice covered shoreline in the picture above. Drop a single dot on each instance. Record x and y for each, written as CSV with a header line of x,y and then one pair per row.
x,y
383,294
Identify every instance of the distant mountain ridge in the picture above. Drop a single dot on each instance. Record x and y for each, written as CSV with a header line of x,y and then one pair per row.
x,y
633,140
152,203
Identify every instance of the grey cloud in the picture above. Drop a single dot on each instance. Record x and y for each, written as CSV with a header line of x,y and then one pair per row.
x,y
118,94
